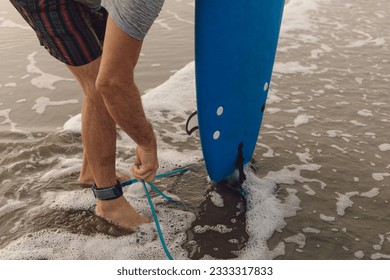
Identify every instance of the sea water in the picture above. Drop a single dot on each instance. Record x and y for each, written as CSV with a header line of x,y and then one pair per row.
x,y
318,183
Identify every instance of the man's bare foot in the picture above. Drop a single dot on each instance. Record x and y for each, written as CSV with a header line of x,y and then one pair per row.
x,y
120,212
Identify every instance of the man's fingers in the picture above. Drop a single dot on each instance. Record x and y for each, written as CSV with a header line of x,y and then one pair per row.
x,y
143,173
137,160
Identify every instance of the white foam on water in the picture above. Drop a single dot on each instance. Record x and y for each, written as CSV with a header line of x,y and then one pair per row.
x,y
380,176
371,193
344,201
370,40
73,125
177,95
216,199
359,254
272,97
42,103
365,113
378,246
343,150
302,119
273,110
299,239
295,111
21,100
5,113
270,152
311,230
171,159
357,123
143,244
297,17
265,214
377,256
305,157
309,191
327,218
218,228
384,147
294,67
292,173
65,167
44,80
334,133
359,80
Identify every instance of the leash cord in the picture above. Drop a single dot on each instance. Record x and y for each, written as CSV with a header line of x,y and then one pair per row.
x,y
160,234
158,176
154,214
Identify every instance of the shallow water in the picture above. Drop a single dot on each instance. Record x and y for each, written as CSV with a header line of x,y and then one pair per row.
x,y
319,183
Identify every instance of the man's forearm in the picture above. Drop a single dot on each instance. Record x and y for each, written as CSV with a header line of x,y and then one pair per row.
x,y
127,111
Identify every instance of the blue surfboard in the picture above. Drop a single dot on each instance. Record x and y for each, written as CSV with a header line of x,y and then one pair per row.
x,y
235,47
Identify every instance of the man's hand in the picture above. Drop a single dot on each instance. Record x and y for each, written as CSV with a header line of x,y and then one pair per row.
x,y
146,163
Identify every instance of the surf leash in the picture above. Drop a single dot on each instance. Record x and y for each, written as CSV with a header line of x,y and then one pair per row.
x,y
158,176
152,209
160,234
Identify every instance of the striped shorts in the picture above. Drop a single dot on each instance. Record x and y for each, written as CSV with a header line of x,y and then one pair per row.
x,y
70,31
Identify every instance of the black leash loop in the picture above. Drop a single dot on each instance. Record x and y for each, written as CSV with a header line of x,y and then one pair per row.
x,y
190,131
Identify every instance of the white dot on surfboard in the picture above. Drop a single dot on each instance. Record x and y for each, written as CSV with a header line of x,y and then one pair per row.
x,y
219,110
265,86
216,135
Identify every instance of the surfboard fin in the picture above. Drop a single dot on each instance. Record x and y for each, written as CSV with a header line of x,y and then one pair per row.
x,y
235,181
240,164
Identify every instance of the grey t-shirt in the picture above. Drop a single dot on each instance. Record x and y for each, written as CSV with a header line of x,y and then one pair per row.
x,y
135,17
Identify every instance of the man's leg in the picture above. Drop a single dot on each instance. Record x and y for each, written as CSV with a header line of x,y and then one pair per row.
x,y
123,101
99,141
86,176
70,32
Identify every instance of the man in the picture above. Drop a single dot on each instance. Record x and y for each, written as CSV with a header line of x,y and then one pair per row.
x,y
73,31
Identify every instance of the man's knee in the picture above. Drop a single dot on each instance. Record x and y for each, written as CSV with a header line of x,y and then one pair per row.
x,y
86,75
108,85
